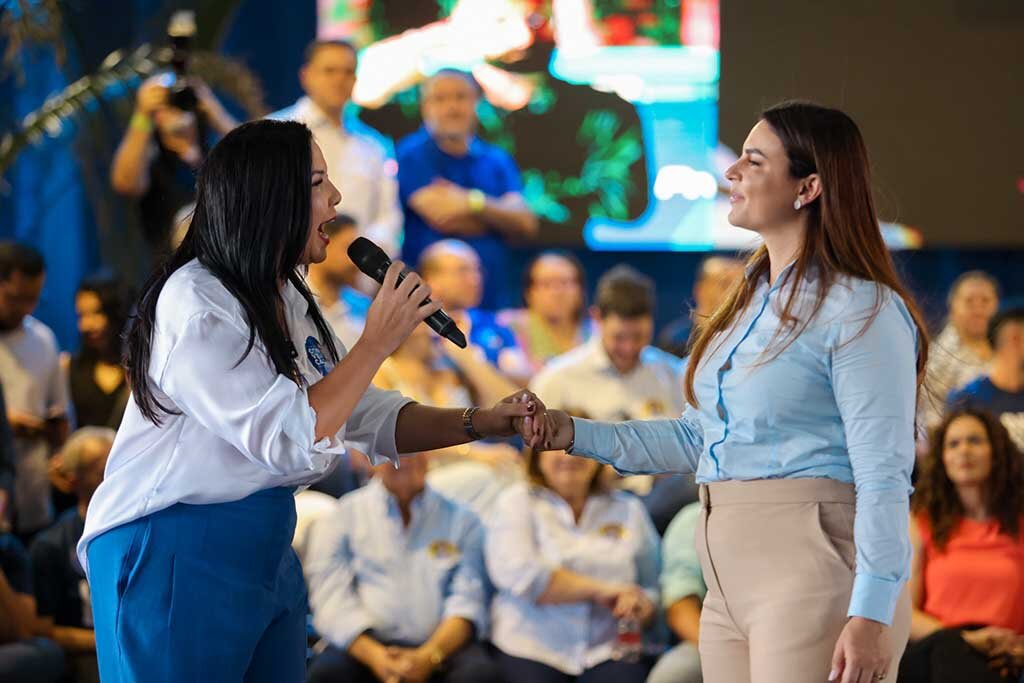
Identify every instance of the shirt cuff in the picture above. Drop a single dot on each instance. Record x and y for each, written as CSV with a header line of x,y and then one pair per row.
x,y
532,583
463,608
674,590
302,430
343,632
585,437
874,598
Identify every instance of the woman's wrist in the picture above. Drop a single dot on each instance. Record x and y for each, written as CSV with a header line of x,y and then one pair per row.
x,y
487,423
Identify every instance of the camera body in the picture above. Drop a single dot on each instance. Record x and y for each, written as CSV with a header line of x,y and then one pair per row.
x,y
181,30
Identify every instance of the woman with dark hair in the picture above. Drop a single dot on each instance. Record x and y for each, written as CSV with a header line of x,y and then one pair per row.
x,y
967,573
242,393
554,320
571,560
802,387
99,388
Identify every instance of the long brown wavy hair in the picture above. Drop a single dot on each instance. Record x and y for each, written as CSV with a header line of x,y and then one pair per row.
x,y
936,496
843,236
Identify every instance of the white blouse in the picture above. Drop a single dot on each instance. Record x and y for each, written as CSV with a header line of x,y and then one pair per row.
x,y
241,427
530,535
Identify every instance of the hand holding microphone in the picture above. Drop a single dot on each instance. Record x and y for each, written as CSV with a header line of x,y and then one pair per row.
x,y
372,260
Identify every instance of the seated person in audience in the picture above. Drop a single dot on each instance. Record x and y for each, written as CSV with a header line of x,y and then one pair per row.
x,y
682,594
99,388
555,319
1000,391
572,563
23,657
334,282
617,375
967,573
716,276
419,369
452,269
61,590
397,585
961,351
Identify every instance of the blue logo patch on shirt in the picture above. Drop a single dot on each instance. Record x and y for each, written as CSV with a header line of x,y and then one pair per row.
x,y
315,355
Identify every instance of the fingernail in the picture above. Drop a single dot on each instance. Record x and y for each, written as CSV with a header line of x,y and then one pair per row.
x,y
833,675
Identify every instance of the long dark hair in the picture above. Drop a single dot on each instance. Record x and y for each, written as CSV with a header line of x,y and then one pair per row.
x,y
936,496
115,303
843,236
250,227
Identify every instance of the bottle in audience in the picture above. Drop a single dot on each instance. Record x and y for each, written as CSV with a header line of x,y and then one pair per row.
x,y
629,642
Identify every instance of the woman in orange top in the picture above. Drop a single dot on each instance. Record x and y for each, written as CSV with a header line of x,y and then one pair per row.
x,y
967,581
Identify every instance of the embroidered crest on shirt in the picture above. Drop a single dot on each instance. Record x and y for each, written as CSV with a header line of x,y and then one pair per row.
x,y
613,530
443,549
316,356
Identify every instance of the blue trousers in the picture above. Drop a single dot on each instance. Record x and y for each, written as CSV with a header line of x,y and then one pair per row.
x,y
201,593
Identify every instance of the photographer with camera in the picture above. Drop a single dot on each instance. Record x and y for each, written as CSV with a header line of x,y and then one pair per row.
x,y
167,138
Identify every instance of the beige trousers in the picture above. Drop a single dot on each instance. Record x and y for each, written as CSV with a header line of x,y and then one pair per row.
x,y
778,559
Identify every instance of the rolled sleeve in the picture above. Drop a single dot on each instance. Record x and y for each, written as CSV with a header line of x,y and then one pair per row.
x,y
642,446
513,561
874,378
467,594
371,427
265,415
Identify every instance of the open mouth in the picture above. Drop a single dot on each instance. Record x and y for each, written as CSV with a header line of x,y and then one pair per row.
x,y
322,232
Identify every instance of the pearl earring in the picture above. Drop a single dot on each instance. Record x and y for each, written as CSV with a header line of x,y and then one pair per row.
x,y
797,205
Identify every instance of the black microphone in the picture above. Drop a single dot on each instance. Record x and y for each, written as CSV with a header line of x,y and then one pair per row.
x,y
372,260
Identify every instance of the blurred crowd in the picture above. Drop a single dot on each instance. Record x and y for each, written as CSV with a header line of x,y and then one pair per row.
x,y
488,561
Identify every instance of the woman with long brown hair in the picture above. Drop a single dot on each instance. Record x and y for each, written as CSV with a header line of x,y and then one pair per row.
x,y
967,573
802,388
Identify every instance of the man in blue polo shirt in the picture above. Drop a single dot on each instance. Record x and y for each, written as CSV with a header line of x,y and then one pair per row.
x,y
452,184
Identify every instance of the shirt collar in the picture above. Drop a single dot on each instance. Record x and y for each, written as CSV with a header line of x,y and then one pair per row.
x,y
293,298
420,505
598,358
810,275
315,117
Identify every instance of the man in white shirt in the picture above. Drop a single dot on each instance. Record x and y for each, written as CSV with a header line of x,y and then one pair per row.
x,y
34,385
618,375
397,584
357,160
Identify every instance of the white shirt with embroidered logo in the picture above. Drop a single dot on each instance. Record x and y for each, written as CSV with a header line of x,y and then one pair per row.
x,y
531,534
241,427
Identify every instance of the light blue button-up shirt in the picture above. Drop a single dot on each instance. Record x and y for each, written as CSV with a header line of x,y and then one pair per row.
x,y
366,571
531,534
838,403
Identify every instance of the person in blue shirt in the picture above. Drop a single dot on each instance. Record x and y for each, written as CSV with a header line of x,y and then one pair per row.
x,y
452,184
1000,391
800,426
397,584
